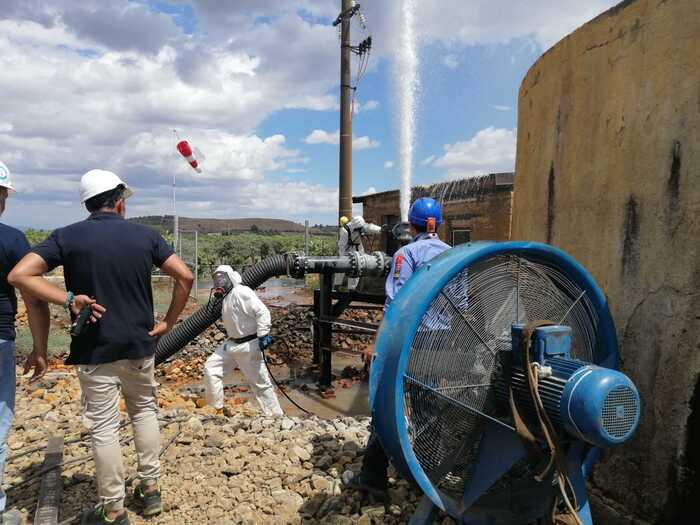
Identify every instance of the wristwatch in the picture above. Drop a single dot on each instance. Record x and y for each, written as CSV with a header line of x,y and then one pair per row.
x,y
69,301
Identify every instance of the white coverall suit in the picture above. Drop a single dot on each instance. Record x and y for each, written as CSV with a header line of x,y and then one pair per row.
x,y
243,314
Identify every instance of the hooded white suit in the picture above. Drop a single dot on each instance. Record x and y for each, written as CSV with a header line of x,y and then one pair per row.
x,y
243,314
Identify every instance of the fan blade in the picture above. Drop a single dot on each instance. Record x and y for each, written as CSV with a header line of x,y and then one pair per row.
x,y
500,449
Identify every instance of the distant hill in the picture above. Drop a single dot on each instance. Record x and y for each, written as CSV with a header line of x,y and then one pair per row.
x,y
165,223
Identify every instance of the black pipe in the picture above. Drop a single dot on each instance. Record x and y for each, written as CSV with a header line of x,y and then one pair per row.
x,y
198,322
291,264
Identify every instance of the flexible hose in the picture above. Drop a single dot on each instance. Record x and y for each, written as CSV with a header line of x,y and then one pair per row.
x,y
274,379
198,322
257,274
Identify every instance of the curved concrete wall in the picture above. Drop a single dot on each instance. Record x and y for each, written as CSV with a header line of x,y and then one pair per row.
x,y
608,168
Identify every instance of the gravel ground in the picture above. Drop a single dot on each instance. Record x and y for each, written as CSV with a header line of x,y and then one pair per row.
x,y
225,470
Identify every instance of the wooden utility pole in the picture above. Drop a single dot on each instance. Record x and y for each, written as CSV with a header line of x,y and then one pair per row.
x,y
345,182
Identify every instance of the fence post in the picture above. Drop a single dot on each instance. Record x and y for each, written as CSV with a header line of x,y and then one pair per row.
x,y
196,266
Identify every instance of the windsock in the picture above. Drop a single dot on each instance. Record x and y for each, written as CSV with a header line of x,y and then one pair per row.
x,y
186,151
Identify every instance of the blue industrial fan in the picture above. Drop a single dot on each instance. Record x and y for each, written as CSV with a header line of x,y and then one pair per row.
x,y
458,359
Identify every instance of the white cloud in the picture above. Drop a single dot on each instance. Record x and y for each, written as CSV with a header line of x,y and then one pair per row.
x,y
78,93
451,61
319,136
427,161
499,107
489,150
389,164
370,105
364,143
482,22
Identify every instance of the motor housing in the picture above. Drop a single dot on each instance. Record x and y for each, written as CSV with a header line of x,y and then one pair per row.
x,y
598,405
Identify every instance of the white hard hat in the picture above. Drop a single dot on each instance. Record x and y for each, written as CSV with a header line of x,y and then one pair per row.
x,y
5,180
95,182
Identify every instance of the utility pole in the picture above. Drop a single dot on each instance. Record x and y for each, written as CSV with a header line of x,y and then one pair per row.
x,y
196,265
345,182
176,223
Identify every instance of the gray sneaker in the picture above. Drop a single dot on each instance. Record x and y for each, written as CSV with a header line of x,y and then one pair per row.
x,y
98,516
11,517
150,502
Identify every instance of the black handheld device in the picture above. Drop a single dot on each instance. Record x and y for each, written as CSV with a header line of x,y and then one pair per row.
x,y
80,321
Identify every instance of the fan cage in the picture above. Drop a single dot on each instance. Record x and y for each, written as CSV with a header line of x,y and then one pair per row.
x,y
456,355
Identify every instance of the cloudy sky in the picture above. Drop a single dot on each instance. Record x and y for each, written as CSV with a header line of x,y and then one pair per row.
x,y
254,85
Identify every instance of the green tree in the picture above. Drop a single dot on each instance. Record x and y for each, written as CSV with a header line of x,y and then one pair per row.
x,y
36,236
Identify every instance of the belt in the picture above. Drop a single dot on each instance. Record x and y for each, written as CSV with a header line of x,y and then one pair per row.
x,y
245,339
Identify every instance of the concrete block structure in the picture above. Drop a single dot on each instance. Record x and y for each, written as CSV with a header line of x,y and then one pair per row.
x,y
608,164
477,208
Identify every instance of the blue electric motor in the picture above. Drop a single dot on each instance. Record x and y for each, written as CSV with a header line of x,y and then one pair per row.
x,y
450,353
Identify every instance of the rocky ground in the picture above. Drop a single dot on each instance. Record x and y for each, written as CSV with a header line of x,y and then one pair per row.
x,y
238,469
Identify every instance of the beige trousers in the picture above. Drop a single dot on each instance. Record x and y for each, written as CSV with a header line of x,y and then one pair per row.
x,y
101,385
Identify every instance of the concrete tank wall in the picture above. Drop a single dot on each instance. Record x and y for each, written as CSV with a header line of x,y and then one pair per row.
x,y
608,164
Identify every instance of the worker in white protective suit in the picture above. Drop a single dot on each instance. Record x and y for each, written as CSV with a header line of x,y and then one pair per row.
x,y
247,322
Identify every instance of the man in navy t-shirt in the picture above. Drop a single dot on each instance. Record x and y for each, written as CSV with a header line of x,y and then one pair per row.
x,y
14,246
107,263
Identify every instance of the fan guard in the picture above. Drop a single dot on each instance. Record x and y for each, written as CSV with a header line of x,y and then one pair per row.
x,y
441,348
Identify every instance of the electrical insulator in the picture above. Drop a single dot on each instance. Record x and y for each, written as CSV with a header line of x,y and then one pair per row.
x,y
363,20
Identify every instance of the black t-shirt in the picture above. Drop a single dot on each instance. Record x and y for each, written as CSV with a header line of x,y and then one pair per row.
x,y
110,259
13,246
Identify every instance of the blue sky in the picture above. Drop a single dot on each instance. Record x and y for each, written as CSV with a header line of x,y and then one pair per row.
x,y
253,85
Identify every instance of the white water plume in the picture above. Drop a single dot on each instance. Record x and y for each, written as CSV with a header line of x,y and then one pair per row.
x,y
407,84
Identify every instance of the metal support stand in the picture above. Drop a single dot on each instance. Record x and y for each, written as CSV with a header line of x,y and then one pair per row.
x,y
425,513
314,328
325,309
326,312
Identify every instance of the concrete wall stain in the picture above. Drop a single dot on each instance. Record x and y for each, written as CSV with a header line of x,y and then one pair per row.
x,y
630,242
673,187
550,204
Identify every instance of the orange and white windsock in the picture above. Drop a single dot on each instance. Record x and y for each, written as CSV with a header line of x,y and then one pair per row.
x,y
186,151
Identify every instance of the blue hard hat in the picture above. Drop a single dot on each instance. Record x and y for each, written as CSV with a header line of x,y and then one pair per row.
x,y
423,209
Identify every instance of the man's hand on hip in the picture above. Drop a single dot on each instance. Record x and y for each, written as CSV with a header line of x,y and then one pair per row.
x,y
160,329
36,361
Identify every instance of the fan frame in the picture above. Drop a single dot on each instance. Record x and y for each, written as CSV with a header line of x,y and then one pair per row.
x,y
401,322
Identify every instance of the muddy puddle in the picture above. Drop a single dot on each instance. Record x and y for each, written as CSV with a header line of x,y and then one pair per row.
x,y
351,397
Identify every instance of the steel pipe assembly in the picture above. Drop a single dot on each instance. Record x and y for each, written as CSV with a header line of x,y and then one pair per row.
x,y
295,265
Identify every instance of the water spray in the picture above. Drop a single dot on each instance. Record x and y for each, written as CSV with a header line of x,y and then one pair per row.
x,y
407,84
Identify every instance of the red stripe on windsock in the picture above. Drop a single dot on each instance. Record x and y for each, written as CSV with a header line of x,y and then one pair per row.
x,y
184,148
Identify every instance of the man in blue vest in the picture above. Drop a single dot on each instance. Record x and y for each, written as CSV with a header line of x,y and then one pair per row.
x,y
424,218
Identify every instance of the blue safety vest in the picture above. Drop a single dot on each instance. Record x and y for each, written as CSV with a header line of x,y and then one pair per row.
x,y
409,258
